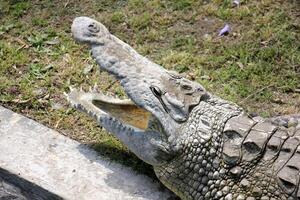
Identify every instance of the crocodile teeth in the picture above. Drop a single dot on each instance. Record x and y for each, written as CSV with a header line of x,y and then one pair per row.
x,y
81,89
114,124
71,89
95,88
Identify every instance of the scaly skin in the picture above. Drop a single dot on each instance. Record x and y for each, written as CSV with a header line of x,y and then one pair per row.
x,y
210,167
201,147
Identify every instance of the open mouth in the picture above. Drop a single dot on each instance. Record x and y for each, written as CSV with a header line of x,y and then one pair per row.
x,y
134,126
123,110
160,101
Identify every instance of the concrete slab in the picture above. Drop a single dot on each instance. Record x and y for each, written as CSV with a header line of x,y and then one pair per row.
x,y
65,167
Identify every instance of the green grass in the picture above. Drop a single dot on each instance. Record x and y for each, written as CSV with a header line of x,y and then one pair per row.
x,y
257,65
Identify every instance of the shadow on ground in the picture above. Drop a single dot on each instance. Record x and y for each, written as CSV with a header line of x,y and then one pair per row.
x,y
114,179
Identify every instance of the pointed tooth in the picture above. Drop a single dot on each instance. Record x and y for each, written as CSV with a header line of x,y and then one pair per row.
x,y
71,88
115,121
66,95
98,118
95,87
119,126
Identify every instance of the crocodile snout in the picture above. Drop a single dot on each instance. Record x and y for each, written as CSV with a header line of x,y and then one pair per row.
x,y
87,30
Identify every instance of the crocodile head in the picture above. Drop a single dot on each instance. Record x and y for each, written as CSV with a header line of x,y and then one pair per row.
x,y
160,101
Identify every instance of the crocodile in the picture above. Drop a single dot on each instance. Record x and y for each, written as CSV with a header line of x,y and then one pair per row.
x,y
200,146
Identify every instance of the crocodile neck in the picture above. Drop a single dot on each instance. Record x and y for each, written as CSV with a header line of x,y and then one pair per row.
x,y
197,169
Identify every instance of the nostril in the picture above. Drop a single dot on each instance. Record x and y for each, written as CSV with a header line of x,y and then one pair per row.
x,y
92,25
93,28
199,89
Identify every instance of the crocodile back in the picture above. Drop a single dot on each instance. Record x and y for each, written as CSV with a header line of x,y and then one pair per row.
x,y
259,151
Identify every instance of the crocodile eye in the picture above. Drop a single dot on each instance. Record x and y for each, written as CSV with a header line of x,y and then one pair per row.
x,y
186,87
156,91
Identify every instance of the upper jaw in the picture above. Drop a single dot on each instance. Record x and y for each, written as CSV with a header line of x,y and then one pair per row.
x,y
135,72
